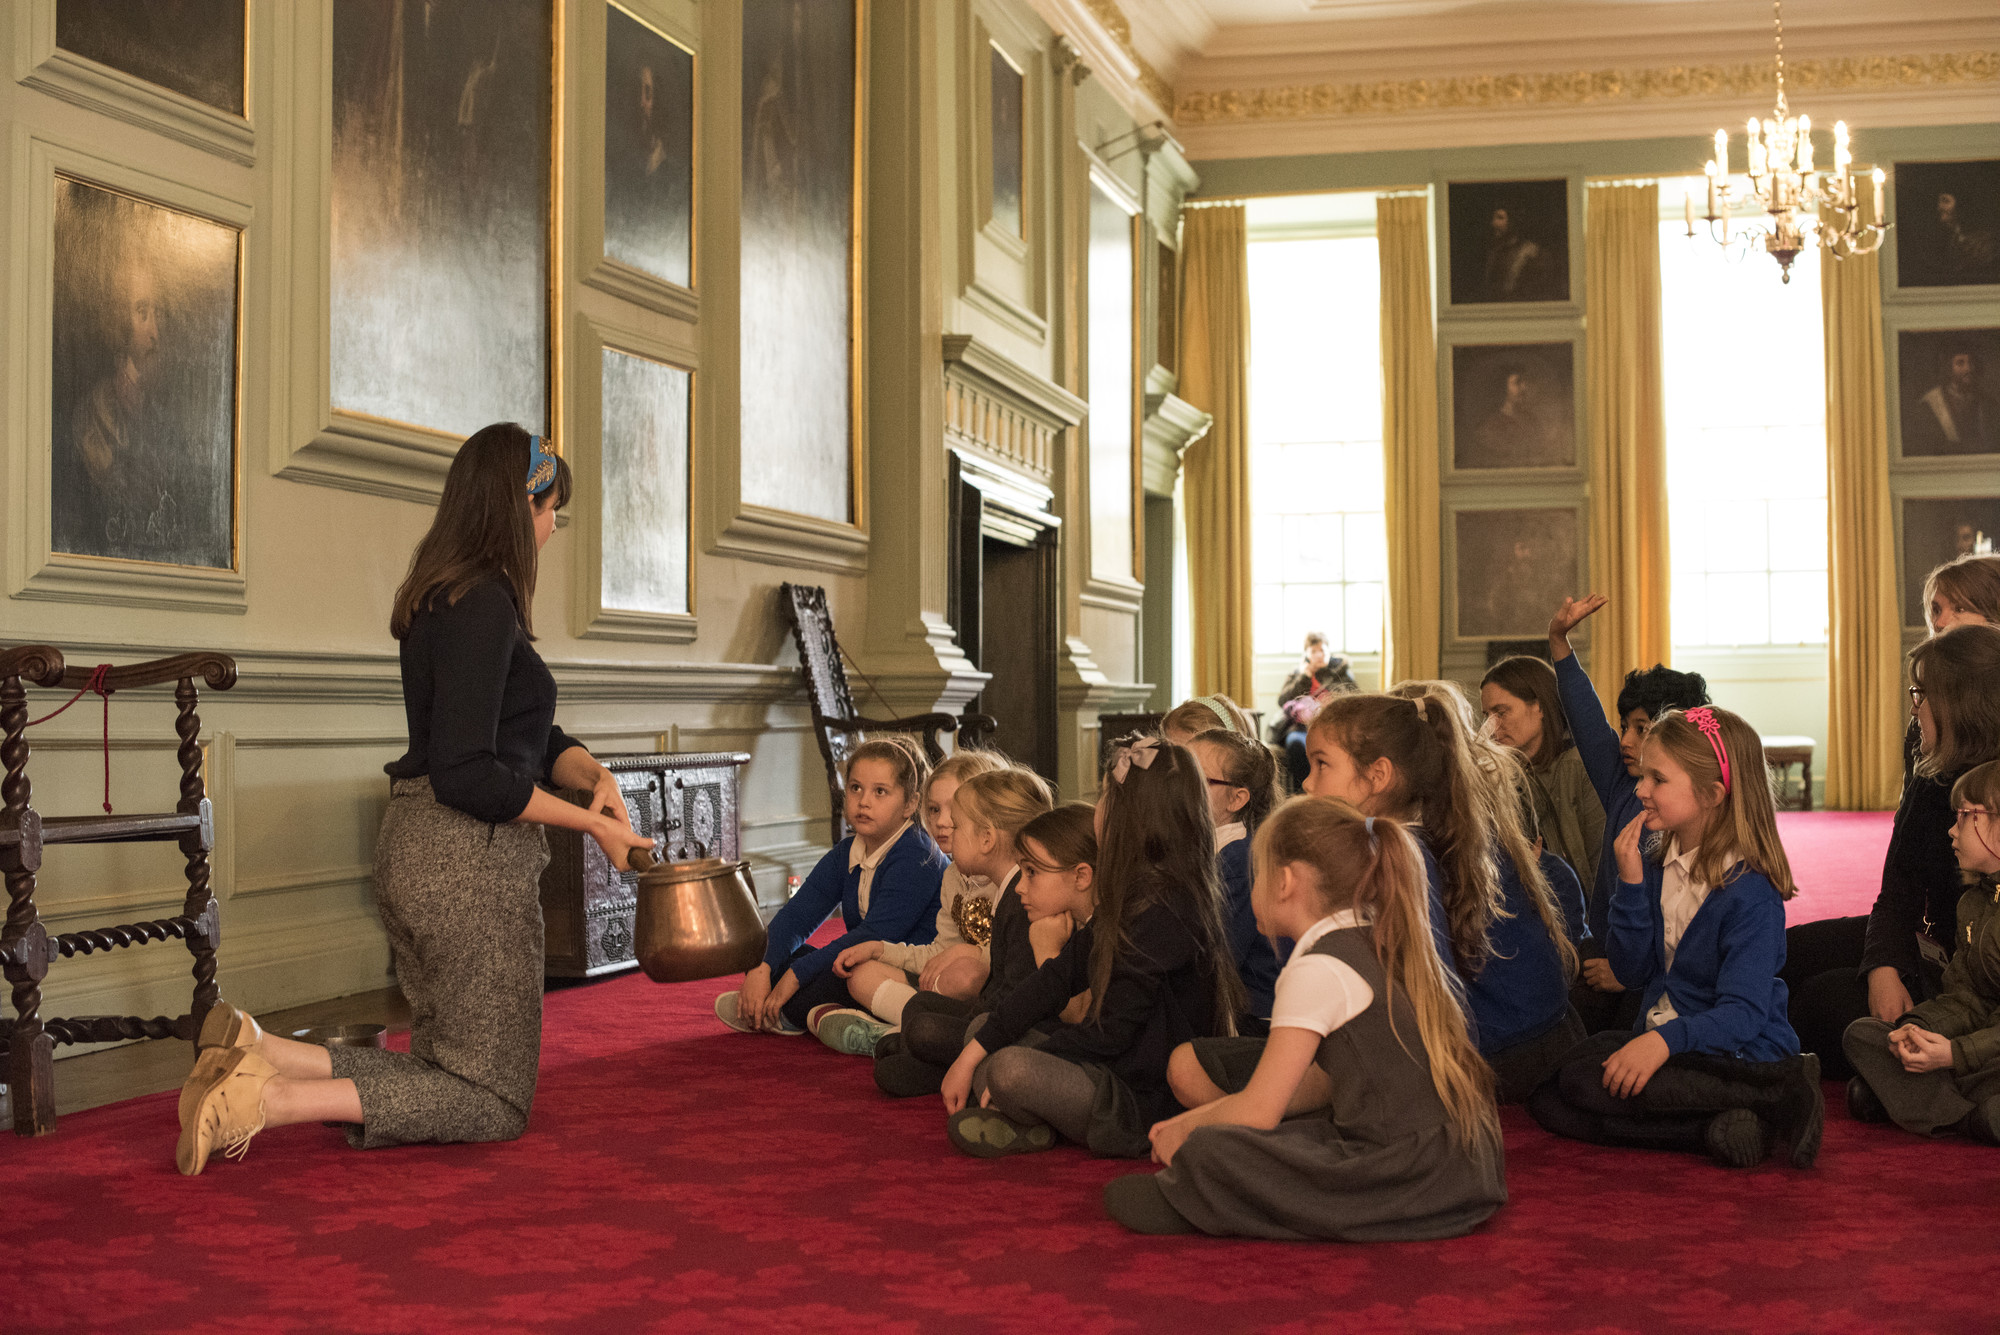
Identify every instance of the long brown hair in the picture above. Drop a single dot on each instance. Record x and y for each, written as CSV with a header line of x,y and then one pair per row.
x,y
1959,674
1533,681
484,528
1380,874
1067,834
1158,847
1742,830
1437,782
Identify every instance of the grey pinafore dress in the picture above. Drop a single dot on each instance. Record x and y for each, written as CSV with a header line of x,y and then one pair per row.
x,y
1379,1164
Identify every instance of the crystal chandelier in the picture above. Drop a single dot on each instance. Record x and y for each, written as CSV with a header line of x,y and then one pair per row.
x,y
1782,182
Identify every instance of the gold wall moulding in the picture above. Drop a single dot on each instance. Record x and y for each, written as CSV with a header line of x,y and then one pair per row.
x,y
1114,22
1580,87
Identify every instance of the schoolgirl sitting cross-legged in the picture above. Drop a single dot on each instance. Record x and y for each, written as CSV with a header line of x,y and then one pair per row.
x,y
1154,958
1370,1115
987,812
1698,924
884,878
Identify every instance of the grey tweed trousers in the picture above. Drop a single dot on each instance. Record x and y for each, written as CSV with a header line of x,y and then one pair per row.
x,y
460,901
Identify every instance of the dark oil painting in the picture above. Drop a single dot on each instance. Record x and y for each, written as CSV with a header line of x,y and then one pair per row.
x,y
1936,531
1009,96
1949,391
1509,241
143,385
644,533
648,150
799,70
440,211
193,47
1514,568
1513,405
1947,230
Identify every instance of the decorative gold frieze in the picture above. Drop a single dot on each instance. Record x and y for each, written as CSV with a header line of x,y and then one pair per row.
x,y
1114,22
1582,87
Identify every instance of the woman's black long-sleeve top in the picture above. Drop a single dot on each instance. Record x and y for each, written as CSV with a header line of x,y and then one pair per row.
x,y
1920,879
1161,994
481,705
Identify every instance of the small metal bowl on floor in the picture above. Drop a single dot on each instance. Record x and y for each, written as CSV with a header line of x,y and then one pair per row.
x,y
345,1036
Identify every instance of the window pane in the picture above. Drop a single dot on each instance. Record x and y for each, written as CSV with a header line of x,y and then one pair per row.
x,y
1364,618
1798,608
1267,619
1312,547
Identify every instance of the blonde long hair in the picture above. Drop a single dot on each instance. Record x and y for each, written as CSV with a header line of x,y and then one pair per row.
x,y
1003,799
1743,830
1380,874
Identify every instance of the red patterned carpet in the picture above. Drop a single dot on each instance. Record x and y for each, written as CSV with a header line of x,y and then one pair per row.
x,y
679,1178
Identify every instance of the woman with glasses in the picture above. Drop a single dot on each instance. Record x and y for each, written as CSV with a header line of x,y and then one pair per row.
x,y
1883,965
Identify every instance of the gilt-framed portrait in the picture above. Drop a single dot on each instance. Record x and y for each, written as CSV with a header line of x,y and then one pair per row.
x,y
801,75
1508,241
1948,391
192,47
644,529
1937,530
1947,230
648,149
440,238
144,374
1514,567
1513,405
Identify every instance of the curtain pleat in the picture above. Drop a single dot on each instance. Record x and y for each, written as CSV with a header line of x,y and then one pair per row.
x,y
1409,440
1626,430
1214,376
1864,716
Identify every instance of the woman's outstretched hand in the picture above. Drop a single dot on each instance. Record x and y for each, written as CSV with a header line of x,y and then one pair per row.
x,y
1568,617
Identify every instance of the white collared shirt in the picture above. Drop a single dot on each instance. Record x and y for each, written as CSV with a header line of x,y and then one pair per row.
x,y
1681,897
1318,992
869,862
1225,835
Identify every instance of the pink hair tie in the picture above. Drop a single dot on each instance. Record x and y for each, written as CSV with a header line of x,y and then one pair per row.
x,y
1704,718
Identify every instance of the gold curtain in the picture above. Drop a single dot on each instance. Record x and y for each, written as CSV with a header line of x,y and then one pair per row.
x,y
1864,717
1409,439
1626,431
1215,377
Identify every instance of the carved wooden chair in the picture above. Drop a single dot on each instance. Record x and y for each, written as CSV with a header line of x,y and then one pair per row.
x,y
27,1042
836,722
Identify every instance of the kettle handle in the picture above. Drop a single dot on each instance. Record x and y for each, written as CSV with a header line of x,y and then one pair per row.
x,y
638,859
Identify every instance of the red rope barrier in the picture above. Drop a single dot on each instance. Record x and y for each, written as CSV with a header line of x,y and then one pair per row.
x,y
96,683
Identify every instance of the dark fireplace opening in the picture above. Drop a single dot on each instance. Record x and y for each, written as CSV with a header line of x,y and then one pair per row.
x,y
1003,605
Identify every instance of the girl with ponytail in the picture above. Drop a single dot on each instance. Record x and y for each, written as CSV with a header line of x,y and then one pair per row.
x,y
1367,1028
1416,754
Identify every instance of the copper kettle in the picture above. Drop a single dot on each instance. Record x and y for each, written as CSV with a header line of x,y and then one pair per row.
x,y
696,919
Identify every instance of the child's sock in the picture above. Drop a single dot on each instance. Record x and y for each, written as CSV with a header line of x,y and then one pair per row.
x,y
889,1000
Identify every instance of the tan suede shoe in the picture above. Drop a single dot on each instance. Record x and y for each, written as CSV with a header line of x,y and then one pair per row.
x,y
228,1106
224,1027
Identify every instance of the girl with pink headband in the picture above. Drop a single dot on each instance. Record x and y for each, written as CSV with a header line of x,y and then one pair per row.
x,y
1697,924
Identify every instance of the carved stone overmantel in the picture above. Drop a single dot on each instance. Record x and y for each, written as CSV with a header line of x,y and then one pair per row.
x,y
996,408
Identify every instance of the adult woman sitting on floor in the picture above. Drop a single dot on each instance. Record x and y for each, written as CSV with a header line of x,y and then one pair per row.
x,y
1523,707
1883,964
459,860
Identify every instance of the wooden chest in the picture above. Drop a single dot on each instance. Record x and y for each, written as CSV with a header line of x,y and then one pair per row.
x,y
689,803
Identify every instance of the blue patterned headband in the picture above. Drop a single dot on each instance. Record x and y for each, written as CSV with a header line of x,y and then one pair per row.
x,y
541,467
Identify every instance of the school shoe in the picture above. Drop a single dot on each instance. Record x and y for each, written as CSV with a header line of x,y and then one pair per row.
x,y
854,1032
1799,1110
728,1009
902,1074
986,1134
1863,1105
224,1027
1137,1202
228,1107
1736,1139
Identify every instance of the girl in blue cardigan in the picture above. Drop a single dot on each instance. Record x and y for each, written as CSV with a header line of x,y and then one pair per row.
x,y
1697,925
884,878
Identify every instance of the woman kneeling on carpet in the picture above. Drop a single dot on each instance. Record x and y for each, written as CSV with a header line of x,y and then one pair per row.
x,y
459,861
1405,1144
1698,923
884,878
1155,959
1938,1068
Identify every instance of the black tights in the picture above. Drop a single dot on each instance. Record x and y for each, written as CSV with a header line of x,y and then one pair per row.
x,y
1823,975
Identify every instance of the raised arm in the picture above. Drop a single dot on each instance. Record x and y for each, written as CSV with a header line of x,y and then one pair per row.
x,y
1596,737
